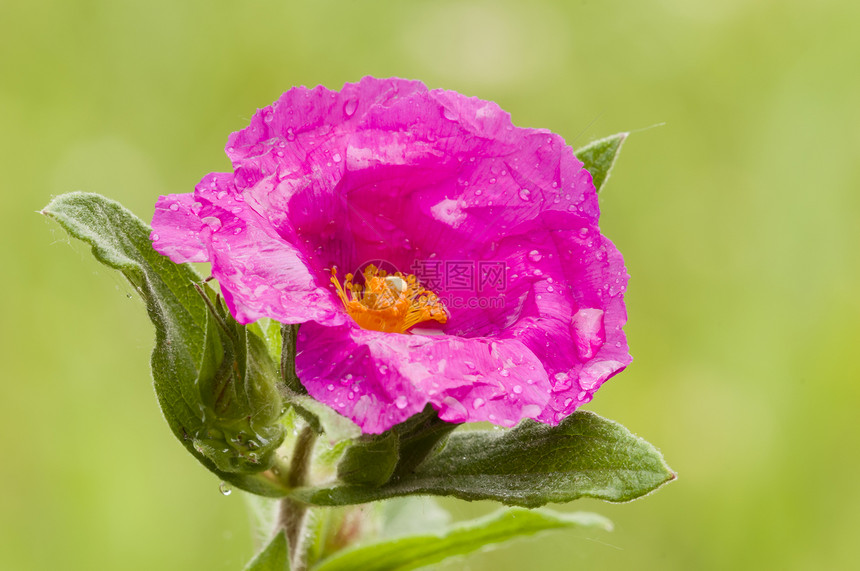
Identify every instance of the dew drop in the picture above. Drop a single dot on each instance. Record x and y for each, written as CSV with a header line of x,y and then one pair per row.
x,y
225,489
213,222
174,207
525,194
336,157
350,106
400,402
478,403
449,114
518,389
535,256
290,135
155,237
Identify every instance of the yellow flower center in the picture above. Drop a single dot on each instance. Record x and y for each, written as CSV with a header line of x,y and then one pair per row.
x,y
391,303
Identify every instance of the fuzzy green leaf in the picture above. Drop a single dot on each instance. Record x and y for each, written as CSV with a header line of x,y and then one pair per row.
x,y
531,465
273,557
187,343
599,156
414,552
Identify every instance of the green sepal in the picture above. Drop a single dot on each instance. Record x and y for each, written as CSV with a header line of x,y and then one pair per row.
x,y
370,460
419,436
373,460
416,551
274,557
599,156
531,465
181,318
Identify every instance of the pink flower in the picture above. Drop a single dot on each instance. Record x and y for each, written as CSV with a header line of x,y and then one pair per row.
x,y
508,303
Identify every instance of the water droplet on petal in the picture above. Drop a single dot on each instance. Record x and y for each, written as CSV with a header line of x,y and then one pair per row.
x,y
350,106
518,389
478,403
336,157
213,222
455,409
225,489
535,256
525,194
155,237
449,114
400,402
588,331
562,382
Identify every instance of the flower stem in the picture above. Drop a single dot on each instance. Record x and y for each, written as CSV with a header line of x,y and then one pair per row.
x,y
291,515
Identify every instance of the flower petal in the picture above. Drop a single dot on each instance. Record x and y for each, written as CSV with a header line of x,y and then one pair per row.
x,y
380,379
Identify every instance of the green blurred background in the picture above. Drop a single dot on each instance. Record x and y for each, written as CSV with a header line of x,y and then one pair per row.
x,y
738,221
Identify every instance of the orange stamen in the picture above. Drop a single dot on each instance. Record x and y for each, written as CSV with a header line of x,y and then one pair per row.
x,y
391,303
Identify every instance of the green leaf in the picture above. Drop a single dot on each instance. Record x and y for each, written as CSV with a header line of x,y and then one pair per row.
x,y
599,157
274,557
413,515
186,354
531,465
413,552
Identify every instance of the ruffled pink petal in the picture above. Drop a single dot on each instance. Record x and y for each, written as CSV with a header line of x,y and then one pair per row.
x,y
260,273
380,379
177,230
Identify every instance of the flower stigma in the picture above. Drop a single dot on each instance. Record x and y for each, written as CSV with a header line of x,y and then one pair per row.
x,y
390,303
